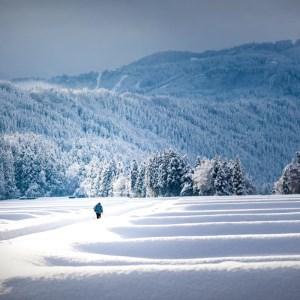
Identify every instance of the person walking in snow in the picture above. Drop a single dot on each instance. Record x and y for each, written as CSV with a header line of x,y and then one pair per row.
x,y
98,209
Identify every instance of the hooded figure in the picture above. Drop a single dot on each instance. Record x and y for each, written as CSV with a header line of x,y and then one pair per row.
x,y
98,209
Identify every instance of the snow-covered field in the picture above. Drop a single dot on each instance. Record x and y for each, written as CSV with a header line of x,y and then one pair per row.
x,y
165,248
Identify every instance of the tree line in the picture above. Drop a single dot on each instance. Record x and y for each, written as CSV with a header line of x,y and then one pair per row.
x,y
33,166
263,132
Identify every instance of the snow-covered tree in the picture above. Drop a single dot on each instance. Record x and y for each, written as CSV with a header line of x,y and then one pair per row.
x,y
140,186
8,186
187,183
238,182
176,170
121,186
134,171
220,177
164,174
289,182
203,177
152,176
32,165
90,186
220,181
107,176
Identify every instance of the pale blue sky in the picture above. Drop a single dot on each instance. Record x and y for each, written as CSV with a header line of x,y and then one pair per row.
x,y
45,38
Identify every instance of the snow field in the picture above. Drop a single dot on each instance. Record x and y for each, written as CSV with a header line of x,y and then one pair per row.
x,y
163,248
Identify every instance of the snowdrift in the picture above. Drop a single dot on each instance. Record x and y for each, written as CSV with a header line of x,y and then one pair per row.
x,y
163,248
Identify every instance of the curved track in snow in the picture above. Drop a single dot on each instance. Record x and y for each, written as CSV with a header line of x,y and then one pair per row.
x,y
174,248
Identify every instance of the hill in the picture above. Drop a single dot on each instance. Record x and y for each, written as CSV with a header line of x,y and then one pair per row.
x,y
262,132
240,102
262,68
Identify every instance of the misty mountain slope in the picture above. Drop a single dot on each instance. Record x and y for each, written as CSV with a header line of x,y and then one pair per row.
x,y
73,119
260,68
263,132
254,67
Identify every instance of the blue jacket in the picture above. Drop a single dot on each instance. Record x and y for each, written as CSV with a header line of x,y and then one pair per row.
x,y
98,208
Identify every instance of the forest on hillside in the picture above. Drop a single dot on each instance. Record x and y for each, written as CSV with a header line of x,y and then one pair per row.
x,y
82,124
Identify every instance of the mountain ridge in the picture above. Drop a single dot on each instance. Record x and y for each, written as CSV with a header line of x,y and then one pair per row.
x,y
249,107
261,67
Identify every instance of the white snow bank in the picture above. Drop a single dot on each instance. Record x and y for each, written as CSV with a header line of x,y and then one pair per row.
x,y
187,248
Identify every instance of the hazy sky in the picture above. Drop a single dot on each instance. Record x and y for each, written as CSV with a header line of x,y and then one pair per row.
x,y
45,38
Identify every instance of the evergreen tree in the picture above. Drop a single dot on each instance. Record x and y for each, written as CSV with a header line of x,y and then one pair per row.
x,y
223,179
187,184
140,186
238,181
198,161
106,181
297,158
152,176
91,183
214,173
289,182
220,181
9,187
176,170
121,186
285,187
228,169
165,173
133,177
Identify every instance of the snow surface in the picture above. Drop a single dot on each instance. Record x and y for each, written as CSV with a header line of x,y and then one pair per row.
x,y
164,248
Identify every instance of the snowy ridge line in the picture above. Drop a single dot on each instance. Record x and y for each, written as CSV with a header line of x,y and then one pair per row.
x,y
229,266
194,248
205,230
296,213
37,206
220,266
40,227
218,223
190,244
211,237
246,198
36,212
257,211
221,206
232,207
32,211
63,203
215,218
188,203
238,203
121,261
